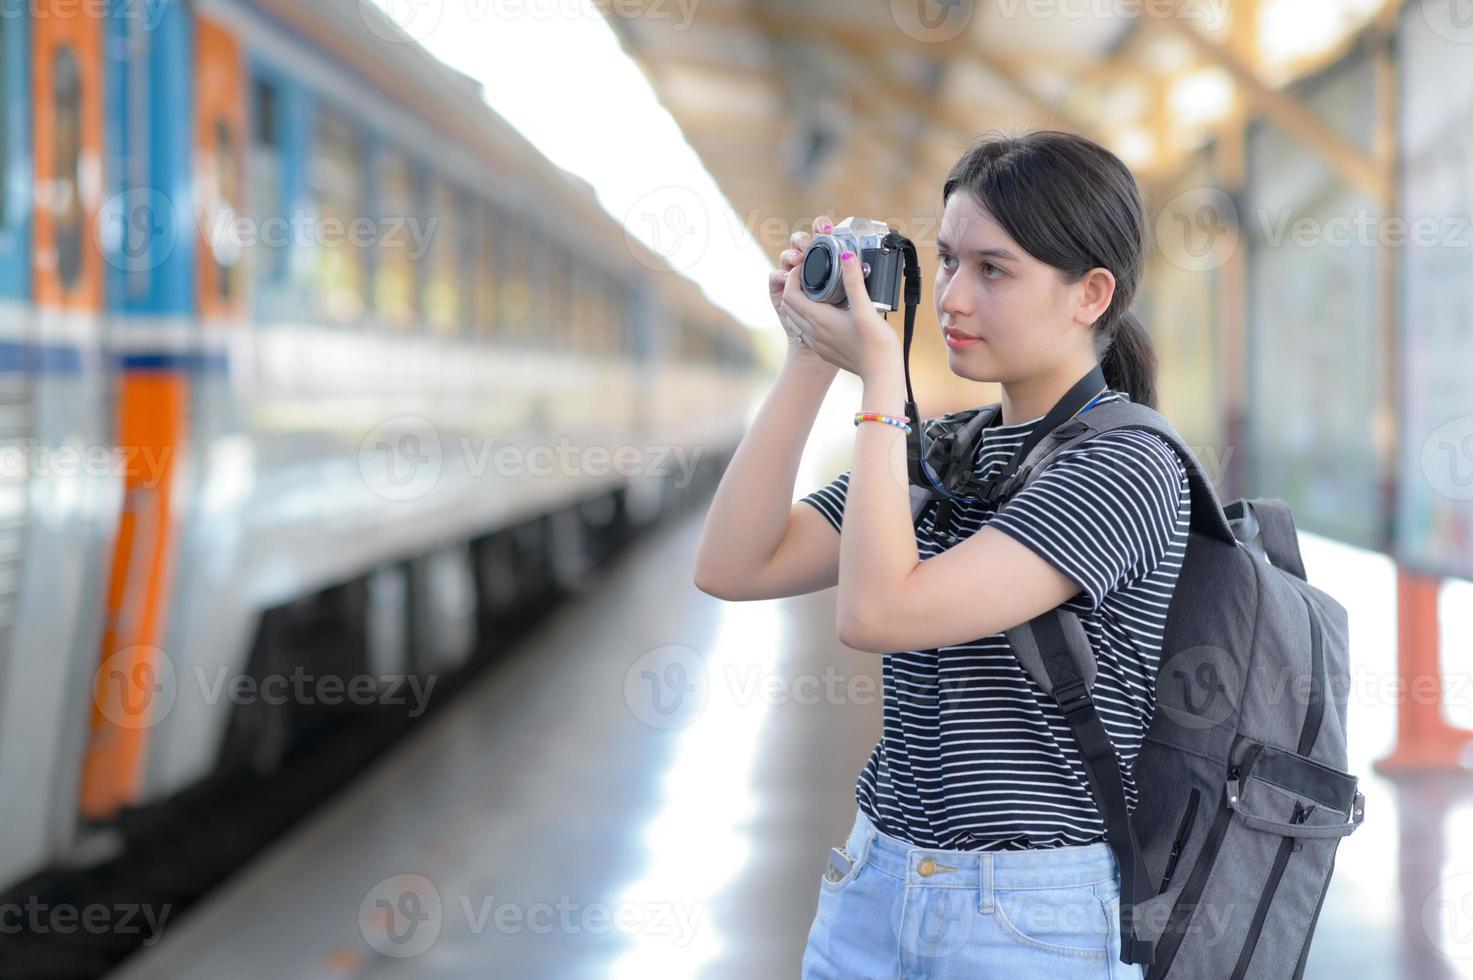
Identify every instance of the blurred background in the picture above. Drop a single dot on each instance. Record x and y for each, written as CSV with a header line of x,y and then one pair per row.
x,y
366,367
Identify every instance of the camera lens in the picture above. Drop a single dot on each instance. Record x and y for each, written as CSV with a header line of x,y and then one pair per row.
x,y
817,266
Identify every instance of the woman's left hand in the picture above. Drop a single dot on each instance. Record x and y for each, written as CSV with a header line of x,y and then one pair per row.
x,y
857,339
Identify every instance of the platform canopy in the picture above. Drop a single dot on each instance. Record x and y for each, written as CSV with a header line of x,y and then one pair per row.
x,y
865,104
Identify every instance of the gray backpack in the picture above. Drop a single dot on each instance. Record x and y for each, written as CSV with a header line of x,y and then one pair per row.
x,y
1242,790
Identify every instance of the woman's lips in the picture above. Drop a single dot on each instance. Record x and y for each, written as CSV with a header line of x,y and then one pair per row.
x,y
956,340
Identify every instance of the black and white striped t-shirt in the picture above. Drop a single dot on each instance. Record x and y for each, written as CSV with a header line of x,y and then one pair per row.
x,y
974,755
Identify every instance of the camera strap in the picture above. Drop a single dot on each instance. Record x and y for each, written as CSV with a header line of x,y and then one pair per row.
x,y
911,273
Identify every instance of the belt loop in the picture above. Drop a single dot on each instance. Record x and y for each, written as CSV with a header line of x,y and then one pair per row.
x,y
986,883
870,834
866,838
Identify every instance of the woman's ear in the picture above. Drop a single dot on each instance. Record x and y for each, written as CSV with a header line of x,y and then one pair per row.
x,y
1096,290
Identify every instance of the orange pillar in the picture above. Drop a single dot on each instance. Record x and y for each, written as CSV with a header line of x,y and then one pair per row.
x,y
1425,742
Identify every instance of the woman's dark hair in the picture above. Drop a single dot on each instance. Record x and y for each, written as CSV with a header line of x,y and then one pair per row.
x,y
1071,204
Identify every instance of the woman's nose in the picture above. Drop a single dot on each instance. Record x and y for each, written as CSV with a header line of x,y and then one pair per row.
x,y
953,298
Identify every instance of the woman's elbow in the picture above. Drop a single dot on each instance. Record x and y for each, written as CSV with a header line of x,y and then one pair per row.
x,y
706,576
858,634
706,581
719,586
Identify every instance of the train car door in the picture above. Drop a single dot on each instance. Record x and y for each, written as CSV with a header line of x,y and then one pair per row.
x,y
53,382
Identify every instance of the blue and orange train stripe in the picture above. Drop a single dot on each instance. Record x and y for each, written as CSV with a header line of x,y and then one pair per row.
x,y
194,72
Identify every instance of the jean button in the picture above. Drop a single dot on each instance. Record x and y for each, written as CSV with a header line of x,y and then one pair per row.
x,y
927,868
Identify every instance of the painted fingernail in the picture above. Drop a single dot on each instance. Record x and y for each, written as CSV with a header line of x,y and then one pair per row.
x,y
847,256
827,226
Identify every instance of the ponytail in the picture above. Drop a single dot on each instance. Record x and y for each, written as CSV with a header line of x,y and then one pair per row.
x,y
1128,359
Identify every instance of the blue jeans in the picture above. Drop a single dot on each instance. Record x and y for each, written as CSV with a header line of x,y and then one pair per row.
x,y
909,912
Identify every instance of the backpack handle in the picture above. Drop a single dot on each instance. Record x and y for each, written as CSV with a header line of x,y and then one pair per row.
x,y
1275,528
1285,829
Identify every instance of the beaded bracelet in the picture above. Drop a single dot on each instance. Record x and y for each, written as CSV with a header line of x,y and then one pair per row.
x,y
899,421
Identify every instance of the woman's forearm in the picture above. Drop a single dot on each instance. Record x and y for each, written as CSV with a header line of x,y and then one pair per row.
x,y
877,550
749,512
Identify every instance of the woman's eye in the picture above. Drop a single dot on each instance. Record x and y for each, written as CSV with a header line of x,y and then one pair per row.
x,y
988,268
946,263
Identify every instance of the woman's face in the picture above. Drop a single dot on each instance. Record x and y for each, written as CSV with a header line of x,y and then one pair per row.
x,y
1024,317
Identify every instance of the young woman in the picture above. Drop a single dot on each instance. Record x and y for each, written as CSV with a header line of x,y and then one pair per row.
x,y
977,849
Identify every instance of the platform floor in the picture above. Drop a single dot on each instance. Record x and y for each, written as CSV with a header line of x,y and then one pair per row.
x,y
558,822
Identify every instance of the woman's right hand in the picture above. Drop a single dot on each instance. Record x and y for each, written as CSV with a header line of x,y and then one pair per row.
x,y
790,260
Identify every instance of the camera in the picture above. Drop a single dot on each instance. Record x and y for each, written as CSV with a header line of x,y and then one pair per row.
x,y
879,255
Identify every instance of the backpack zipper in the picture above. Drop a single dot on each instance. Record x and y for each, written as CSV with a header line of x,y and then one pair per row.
x,y
1315,712
1182,832
1185,905
1281,860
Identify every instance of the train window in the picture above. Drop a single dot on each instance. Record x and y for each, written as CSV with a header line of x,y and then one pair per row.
x,y
265,168
336,181
590,316
598,307
514,248
573,324
576,326
619,318
225,252
4,134
397,286
603,314
594,305
66,203
467,259
700,344
613,320
485,274
544,277
266,132
560,278
442,282
624,319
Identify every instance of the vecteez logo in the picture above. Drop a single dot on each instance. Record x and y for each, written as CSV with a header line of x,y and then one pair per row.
x,y
401,459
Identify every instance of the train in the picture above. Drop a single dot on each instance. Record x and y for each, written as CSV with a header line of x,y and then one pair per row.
x,y
298,337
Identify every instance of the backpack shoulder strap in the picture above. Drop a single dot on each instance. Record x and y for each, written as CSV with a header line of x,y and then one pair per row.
x,y
1207,513
1059,642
